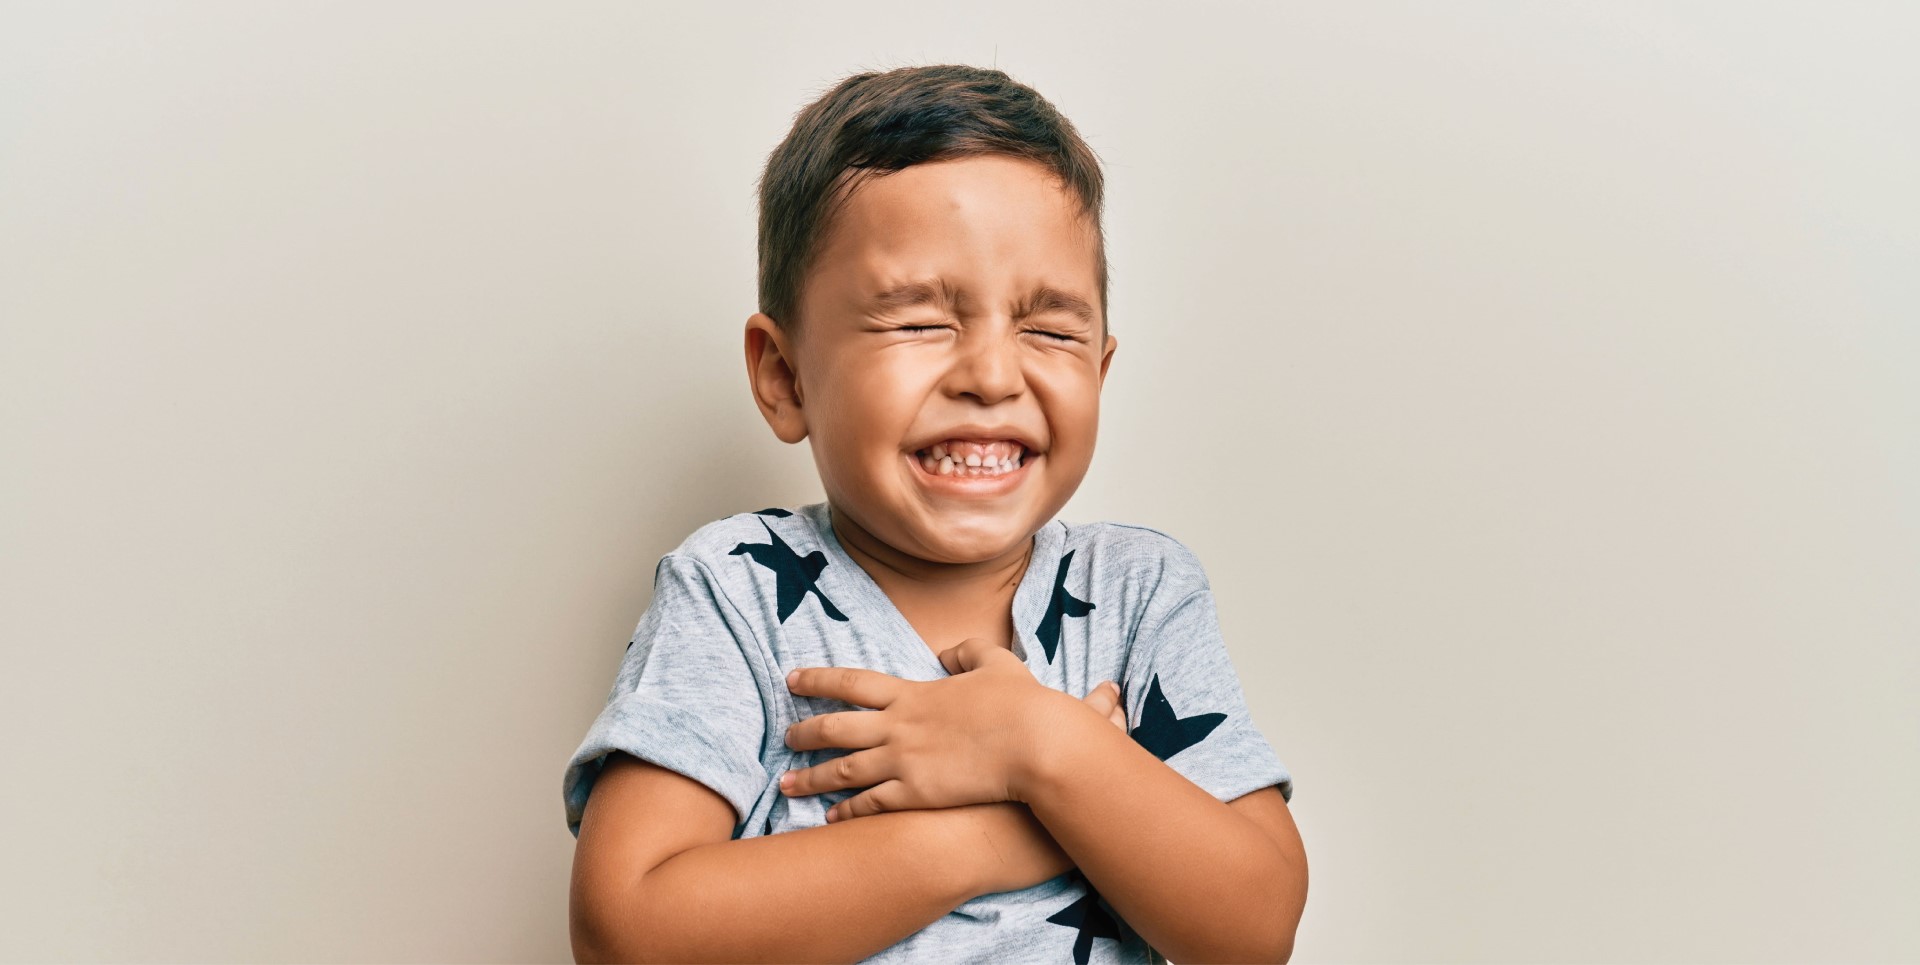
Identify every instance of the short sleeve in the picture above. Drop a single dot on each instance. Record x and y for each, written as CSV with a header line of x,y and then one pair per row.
x,y
1184,700
685,697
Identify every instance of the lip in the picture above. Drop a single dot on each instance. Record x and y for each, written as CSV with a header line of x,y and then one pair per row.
x,y
971,485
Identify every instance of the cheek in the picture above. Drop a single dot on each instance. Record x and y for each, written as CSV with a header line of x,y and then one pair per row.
x,y
1071,398
869,413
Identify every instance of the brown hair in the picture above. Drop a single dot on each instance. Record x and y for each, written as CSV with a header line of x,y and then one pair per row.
x,y
873,123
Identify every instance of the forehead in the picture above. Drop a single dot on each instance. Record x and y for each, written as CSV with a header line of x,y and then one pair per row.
x,y
992,227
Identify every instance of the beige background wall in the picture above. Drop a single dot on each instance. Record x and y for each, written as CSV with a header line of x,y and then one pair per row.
x,y
1537,382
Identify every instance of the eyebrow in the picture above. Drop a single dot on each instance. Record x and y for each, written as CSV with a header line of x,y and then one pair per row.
x,y
1044,298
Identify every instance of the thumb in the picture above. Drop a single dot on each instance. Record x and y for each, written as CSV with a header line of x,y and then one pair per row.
x,y
1104,699
969,654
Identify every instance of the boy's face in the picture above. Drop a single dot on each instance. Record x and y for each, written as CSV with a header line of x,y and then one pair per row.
x,y
876,382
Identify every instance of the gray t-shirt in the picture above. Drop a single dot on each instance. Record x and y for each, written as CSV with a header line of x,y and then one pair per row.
x,y
702,691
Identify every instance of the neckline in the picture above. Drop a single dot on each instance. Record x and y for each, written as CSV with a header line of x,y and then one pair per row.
x,y
1029,598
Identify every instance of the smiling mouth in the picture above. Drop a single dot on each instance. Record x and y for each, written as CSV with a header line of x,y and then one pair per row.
x,y
946,466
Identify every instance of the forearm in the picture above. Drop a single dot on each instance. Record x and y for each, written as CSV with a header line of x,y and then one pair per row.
x,y
838,892
1197,879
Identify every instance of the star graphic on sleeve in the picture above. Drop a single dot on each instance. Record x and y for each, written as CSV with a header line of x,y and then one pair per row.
x,y
794,574
1063,604
774,511
1089,915
1166,733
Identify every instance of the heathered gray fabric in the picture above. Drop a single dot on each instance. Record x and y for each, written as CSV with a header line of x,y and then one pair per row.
x,y
702,691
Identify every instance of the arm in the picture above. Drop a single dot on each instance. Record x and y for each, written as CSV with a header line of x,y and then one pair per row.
x,y
657,876
1198,878
928,865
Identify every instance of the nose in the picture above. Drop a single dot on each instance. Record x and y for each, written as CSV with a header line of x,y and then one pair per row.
x,y
988,366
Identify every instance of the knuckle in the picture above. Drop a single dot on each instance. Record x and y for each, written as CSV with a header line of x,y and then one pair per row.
x,y
847,677
843,768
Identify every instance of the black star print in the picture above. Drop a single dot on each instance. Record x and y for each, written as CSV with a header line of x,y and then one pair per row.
x,y
775,511
1090,915
794,573
1063,604
1166,733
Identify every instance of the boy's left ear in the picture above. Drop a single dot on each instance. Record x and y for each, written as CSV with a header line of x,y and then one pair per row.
x,y
1106,359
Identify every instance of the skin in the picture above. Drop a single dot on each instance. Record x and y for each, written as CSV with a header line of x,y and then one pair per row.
x,y
1200,879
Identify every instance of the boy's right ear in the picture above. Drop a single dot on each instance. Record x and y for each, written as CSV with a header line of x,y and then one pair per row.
x,y
773,378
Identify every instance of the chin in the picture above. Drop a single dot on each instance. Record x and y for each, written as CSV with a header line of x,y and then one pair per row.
x,y
971,536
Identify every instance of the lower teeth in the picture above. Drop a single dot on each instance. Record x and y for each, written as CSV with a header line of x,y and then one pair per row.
x,y
932,466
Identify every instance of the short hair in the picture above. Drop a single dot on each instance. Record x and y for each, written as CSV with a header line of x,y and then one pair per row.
x,y
873,123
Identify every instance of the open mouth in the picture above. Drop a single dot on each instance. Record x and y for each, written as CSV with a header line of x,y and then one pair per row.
x,y
975,462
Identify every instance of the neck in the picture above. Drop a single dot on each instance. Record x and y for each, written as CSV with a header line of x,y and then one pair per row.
x,y
903,574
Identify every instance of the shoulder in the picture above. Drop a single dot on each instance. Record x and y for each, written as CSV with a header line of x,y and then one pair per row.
x,y
711,545
1145,555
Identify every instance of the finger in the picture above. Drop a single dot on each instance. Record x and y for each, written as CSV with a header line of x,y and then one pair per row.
x,y
952,659
846,728
1102,698
864,688
974,653
875,800
858,769
1119,712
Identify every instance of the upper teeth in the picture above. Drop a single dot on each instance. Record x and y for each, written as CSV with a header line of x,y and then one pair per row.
x,y
971,458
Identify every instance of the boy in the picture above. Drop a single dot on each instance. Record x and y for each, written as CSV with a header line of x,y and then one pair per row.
x,y
905,654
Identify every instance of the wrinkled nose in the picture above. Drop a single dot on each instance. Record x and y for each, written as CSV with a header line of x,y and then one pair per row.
x,y
988,368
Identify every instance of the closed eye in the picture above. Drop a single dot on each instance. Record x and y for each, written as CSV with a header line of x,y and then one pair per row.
x,y
929,328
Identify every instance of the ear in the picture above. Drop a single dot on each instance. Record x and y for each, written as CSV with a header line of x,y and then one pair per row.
x,y
1113,342
773,379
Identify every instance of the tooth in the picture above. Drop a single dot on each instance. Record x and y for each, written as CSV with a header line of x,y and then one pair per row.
x,y
927,463
946,465
990,462
973,459
939,449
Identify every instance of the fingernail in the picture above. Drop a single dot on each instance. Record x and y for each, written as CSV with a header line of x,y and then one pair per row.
x,y
786,780
790,675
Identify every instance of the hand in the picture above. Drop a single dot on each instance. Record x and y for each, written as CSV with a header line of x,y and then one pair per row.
x,y
964,739
1021,852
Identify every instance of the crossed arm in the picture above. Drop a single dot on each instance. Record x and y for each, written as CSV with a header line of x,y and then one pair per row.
x,y
657,878
1200,879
